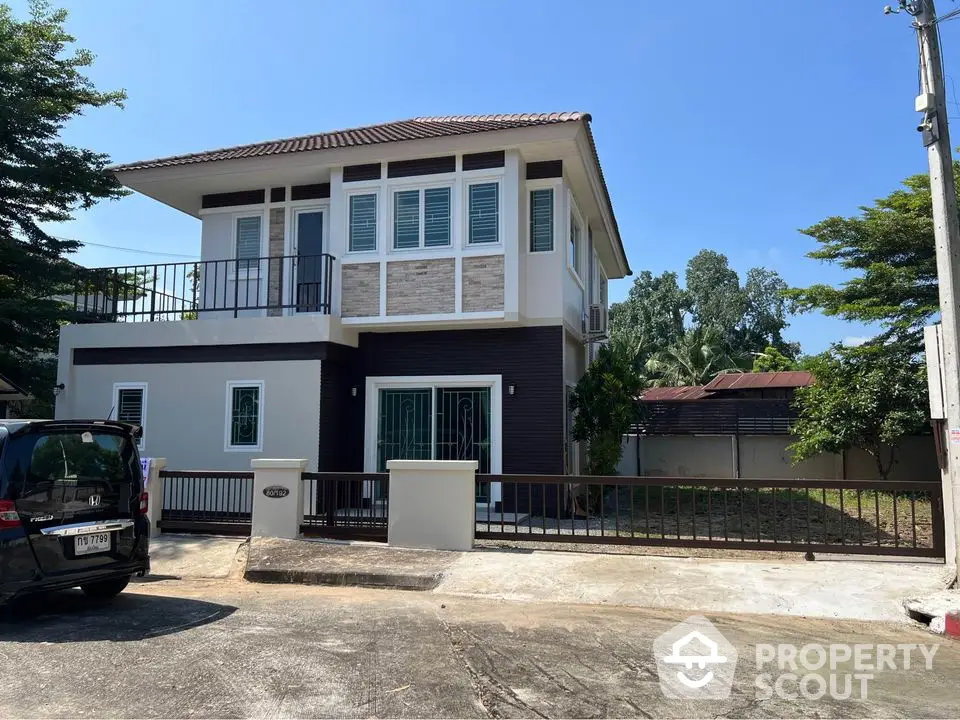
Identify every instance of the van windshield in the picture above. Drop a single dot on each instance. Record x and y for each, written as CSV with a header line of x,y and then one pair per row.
x,y
41,459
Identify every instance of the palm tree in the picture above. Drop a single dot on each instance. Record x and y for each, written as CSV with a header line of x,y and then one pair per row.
x,y
695,359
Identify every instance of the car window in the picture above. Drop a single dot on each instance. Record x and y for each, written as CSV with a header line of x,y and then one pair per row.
x,y
37,462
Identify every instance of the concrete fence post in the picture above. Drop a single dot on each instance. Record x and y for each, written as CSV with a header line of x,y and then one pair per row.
x,y
432,504
277,497
154,490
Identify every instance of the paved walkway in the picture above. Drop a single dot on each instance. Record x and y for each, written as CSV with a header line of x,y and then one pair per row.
x,y
829,588
196,556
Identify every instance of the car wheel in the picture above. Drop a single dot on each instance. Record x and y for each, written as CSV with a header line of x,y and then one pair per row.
x,y
105,589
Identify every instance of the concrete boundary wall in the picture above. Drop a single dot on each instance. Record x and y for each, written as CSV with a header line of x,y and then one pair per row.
x,y
765,456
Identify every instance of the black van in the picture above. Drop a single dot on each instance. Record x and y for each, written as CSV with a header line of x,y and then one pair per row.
x,y
72,507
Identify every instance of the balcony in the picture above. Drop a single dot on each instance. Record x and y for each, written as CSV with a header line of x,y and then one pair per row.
x,y
254,287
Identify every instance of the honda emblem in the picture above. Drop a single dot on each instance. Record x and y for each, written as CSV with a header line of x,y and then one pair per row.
x,y
94,500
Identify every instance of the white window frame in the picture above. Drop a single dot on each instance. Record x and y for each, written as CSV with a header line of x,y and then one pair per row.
x,y
228,416
367,190
246,272
574,216
468,181
117,387
531,188
394,188
372,413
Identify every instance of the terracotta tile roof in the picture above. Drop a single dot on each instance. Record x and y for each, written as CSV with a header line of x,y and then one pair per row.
x,y
415,129
667,394
757,381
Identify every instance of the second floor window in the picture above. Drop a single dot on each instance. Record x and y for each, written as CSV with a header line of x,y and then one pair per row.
x,y
248,242
541,220
484,213
421,218
363,222
574,251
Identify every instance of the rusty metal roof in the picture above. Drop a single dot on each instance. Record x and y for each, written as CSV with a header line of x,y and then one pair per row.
x,y
668,394
759,381
414,129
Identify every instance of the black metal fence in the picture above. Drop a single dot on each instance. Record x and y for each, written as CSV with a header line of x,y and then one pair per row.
x,y
345,505
826,516
207,501
182,291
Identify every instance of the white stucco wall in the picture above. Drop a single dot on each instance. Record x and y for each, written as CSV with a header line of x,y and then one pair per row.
x,y
186,413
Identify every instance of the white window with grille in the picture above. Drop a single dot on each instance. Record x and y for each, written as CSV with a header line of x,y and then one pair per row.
x,y
483,213
421,217
248,231
362,222
130,406
244,416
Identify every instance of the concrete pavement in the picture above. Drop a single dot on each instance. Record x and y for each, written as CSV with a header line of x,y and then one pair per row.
x,y
196,556
225,648
827,587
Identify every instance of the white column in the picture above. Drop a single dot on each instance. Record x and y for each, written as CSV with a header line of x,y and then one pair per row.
x,y
513,233
277,497
154,490
432,504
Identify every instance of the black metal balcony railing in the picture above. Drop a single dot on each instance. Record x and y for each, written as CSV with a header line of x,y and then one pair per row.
x,y
211,288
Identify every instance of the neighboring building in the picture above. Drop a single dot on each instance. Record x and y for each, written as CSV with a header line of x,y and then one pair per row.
x,y
417,289
9,393
738,426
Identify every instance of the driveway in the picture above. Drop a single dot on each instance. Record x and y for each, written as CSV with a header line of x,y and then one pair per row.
x,y
225,648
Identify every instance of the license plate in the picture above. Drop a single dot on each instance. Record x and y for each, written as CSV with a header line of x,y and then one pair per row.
x,y
92,543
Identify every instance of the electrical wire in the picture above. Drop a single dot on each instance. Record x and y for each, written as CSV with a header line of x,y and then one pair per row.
x,y
130,250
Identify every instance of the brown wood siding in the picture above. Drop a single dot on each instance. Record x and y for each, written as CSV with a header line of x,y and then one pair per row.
x,y
341,417
422,166
355,173
546,169
241,197
167,354
484,160
316,191
530,358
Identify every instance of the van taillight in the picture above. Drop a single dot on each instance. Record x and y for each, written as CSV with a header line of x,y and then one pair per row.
x,y
8,515
144,502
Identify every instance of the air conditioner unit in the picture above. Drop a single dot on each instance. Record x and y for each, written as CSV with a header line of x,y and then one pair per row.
x,y
597,325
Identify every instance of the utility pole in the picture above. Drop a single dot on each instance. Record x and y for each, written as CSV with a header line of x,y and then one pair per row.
x,y
932,101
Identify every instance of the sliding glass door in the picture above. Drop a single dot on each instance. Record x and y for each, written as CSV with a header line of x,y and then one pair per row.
x,y
435,422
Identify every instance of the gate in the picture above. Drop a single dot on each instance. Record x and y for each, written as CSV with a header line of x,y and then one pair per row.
x,y
345,505
207,501
817,516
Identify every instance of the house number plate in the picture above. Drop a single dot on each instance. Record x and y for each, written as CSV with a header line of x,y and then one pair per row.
x,y
276,491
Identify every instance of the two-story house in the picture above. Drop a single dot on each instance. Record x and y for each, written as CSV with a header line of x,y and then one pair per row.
x,y
417,289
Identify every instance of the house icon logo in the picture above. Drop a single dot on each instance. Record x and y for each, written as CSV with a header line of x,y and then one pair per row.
x,y
694,661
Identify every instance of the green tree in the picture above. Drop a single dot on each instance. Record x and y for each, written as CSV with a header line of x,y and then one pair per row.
x,y
772,360
716,299
652,314
746,319
868,397
695,359
606,405
890,247
42,180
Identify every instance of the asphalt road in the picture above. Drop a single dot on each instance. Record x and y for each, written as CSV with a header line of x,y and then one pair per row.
x,y
225,648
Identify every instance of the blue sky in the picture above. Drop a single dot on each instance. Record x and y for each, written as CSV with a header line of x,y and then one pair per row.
x,y
719,125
